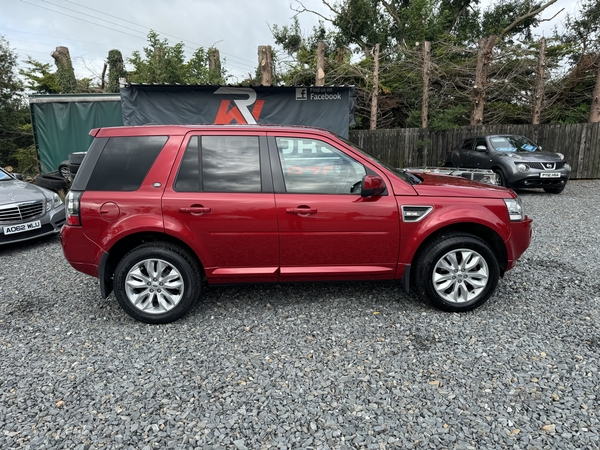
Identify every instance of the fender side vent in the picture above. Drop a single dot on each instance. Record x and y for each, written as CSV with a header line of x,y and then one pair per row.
x,y
415,213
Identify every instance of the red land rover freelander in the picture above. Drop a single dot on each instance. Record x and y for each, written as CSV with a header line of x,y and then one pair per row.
x,y
155,210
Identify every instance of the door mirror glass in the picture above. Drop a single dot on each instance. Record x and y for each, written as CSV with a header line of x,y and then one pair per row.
x,y
372,185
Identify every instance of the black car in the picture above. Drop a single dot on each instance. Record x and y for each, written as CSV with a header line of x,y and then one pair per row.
x,y
518,162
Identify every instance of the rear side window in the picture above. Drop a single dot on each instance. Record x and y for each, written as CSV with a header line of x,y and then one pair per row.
x,y
220,164
125,162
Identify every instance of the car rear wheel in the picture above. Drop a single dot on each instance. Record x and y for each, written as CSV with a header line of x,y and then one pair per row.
x,y
157,283
554,190
457,272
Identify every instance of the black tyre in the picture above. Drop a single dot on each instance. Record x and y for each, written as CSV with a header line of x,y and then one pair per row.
x,y
157,283
53,181
76,157
73,168
457,272
557,190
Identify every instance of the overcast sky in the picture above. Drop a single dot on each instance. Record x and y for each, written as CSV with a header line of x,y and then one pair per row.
x,y
91,28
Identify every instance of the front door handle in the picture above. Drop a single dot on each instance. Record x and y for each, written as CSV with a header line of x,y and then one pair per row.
x,y
301,210
195,210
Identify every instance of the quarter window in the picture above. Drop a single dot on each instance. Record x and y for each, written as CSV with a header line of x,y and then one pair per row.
x,y
125,162
220,164
311,166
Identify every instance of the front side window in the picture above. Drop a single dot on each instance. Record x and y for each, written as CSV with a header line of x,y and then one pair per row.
x,y
312,166
467,145
125,162
220,164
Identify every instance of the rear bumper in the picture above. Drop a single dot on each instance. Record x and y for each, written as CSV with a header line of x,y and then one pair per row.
x,y
83,254
519,240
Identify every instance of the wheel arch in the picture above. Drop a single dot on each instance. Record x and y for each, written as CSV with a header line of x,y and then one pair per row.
x,y
120,248
483,232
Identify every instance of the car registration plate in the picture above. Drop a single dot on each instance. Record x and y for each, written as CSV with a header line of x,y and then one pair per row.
x,y
22,227
550,175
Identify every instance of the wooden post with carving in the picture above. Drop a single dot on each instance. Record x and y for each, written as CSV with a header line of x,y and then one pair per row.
x,y
373,124
265,63
538,92
426,76
320,78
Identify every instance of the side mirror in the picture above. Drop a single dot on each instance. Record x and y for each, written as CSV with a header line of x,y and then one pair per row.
x,y
481,148
18,176
372,185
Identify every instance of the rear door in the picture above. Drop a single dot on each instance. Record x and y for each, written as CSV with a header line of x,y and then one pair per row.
x,y
221,201
327,230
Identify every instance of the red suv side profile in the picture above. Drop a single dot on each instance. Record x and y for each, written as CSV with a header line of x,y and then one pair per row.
x,y
156,210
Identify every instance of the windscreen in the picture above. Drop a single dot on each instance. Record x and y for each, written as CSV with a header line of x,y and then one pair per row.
x,y
512,144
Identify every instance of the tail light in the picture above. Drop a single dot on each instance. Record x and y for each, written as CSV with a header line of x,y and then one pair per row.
x,y
72,208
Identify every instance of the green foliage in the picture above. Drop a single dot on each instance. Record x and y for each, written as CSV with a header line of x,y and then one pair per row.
x,y
26,161
116,70
40,79
13,111
163,63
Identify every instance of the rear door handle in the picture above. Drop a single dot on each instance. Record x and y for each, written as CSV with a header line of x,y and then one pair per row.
x,y
301,210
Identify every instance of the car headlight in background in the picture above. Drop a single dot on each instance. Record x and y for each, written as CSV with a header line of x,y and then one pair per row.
x,y
515,209
567,167
523,168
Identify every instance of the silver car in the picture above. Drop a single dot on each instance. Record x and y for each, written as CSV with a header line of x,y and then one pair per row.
x,y
27,211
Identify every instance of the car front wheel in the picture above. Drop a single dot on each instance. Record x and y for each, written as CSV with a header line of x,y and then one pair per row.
x,y
457,272
157,283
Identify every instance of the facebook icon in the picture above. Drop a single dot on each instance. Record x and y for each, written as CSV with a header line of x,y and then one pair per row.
x,y
301,93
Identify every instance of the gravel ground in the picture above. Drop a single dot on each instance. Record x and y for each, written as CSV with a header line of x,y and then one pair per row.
x,y
312,366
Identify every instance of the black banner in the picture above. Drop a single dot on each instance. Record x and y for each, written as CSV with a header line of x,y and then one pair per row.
x,y
331,108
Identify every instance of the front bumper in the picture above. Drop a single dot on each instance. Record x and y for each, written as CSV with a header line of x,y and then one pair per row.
x,y
519,240
536,179
51,223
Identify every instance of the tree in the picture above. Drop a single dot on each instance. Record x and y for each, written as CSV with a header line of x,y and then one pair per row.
x,y
40,79
64,73
116,70
163,63
13,111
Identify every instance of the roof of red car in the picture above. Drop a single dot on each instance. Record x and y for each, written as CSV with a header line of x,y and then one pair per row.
x,y
171,130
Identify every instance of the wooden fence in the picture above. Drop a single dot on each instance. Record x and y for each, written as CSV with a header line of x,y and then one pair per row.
x,y
413,147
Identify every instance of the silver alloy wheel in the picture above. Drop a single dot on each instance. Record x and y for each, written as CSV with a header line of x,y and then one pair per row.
x,y
154,286
65,173
460,275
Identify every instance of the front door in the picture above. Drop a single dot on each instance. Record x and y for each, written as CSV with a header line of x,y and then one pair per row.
x,y
327,230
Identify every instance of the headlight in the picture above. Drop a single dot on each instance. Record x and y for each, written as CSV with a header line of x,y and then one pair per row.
x,y
567,167
523,168
515,209
561,155
54,203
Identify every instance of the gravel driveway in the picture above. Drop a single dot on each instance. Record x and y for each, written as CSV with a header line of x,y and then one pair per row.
x,y
312,366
